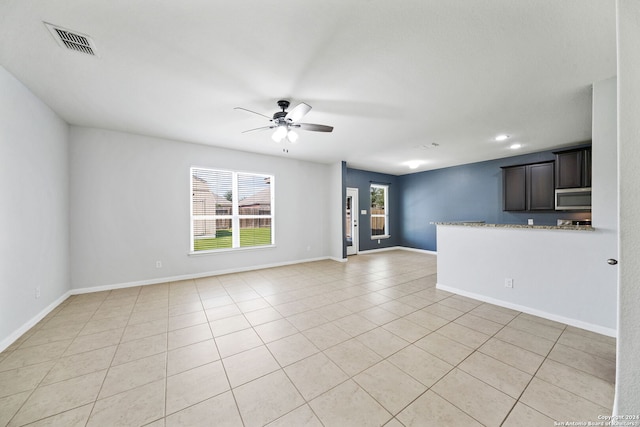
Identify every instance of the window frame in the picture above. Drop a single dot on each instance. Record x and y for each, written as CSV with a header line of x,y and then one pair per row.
x,y
235,216
387,233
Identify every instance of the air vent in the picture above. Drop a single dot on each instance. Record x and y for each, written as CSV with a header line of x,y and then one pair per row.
x,y
72,40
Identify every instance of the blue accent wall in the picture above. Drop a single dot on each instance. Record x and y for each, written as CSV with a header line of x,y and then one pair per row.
x,y
470,192
362,180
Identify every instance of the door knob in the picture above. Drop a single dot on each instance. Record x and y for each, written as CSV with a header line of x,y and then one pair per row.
x,y
612,261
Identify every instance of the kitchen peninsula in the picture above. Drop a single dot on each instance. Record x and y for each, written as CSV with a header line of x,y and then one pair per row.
x,y
555,272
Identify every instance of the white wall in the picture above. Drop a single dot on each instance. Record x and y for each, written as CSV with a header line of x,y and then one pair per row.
x,y
336,213
130,208
34,212
604,133
562,275
628,363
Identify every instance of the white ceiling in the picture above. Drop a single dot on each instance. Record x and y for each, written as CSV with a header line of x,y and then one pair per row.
x,y
389,76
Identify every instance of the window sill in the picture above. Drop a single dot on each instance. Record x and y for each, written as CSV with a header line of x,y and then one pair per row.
x,y
229,250
385,236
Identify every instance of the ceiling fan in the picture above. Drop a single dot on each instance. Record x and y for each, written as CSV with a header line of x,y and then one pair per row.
x,y
286,123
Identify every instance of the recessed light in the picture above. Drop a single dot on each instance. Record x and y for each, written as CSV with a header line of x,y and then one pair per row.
x,y
502,137
515,146
413,164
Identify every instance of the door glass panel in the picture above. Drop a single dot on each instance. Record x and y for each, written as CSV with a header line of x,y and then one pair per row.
x,y
348,222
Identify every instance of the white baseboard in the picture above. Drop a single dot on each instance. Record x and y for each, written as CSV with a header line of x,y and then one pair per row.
x,y
158,280
32,322
397,248
422,251
535,312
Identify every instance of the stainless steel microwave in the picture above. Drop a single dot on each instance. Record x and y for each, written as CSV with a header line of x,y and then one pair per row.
x,y
573,199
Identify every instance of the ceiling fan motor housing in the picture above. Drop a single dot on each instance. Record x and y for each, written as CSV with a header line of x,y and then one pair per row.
x,y
279,116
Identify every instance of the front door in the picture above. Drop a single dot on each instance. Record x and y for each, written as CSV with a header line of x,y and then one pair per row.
x,y
351,221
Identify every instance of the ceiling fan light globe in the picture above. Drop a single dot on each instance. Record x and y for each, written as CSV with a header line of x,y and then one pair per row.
x,y
276,138
279,134
292,136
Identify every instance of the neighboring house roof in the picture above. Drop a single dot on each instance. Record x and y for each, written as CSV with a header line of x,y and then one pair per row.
x,y
201,185
221,200
261,198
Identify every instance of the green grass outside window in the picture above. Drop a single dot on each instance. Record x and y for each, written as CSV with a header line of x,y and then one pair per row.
x,y
223,240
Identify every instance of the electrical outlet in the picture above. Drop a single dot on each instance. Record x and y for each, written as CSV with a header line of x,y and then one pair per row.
x,y
158,264
378,241
37,291
508,283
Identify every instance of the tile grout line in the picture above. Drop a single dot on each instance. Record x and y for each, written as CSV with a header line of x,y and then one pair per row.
x,y
281,368
112,357
531,380
224,368
321,351
352,377
564,364
55,361
456,367
66,303
473,352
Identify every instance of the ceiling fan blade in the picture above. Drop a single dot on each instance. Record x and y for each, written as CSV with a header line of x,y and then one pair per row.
x,y
315,128
298,112
250,111
260,128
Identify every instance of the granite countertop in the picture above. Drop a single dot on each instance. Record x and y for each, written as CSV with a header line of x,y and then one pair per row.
x,y
535,227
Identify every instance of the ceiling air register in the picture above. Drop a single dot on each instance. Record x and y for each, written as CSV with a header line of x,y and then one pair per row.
x,y
72,40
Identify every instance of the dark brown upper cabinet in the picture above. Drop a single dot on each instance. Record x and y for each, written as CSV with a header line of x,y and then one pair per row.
x,y
528,187
514,188
540,187
573,168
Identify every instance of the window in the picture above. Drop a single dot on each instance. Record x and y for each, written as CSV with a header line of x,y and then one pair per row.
x,y
230,210
379,211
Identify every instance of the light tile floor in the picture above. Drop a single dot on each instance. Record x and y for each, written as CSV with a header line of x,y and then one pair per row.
x,y
369,342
